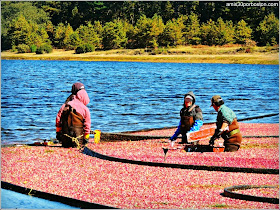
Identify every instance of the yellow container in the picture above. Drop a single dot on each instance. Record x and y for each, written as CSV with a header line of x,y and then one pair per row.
x,y
97,134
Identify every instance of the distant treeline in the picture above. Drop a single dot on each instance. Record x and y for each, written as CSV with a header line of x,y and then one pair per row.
x,y
88,25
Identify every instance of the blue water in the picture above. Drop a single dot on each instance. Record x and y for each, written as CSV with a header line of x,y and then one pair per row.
x,y
127,96
15,200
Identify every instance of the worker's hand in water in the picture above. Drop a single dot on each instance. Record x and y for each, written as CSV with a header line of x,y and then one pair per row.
x,y
172,141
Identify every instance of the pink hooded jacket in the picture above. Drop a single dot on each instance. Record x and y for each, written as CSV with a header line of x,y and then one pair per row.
x,y
79,103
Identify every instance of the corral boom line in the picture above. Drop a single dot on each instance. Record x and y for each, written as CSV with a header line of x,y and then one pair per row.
x,y
206,123
53,197
131,137
229,192
90,152
258,117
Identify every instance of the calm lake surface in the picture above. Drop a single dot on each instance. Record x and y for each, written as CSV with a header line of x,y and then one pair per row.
x,y
127,96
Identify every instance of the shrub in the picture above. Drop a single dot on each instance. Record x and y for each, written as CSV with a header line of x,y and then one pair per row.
x,y
33,48
39,51
245,50
23,48
250,43
45,48
80,49
89,47
14,48
248,50
241,49
84,48
161,51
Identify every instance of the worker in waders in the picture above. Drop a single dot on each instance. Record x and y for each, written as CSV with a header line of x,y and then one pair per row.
x,y
191,118
73,120
227,126
75,88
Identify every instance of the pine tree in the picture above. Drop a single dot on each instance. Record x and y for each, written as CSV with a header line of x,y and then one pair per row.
x,y
225,32
21,31
88,35
172,34
114,35
193,31
168,11
156,30
59,35
268,30
242,32
148,31
209,35
68,38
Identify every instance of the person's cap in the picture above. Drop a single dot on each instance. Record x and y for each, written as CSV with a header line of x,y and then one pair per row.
x,y
76,87
216,99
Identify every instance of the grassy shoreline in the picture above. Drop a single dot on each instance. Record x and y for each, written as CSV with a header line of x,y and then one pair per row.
x,y
202,54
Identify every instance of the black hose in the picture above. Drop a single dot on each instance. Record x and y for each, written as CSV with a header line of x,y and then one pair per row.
x,y
228,192
128,136
52,197
90,152
258,117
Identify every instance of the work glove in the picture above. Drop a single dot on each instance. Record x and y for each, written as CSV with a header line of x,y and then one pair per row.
x,y
86,138
58,133
172,141
188,136
58,136
212,140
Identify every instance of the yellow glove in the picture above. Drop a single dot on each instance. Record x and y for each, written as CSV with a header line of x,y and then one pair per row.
x,y
86,136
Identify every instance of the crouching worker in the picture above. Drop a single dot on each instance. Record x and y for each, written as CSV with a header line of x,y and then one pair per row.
x,y
191,118
73,121
227,126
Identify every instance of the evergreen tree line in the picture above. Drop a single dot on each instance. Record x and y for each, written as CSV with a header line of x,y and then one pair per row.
x,y
87,26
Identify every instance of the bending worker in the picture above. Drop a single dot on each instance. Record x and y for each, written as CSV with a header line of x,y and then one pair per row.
x,y
191,118
73,119
227,126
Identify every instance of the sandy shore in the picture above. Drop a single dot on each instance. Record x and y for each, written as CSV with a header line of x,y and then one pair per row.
x,y
128,56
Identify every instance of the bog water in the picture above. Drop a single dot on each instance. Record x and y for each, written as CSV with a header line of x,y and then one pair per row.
x,y
127,96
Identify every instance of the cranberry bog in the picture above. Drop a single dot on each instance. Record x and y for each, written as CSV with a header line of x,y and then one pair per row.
x,y
140,175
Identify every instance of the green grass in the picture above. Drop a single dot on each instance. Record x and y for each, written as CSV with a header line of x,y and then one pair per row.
x,y
181,54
